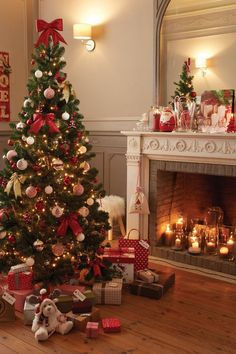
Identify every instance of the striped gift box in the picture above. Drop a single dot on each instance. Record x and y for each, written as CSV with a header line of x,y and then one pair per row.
x,y
108,292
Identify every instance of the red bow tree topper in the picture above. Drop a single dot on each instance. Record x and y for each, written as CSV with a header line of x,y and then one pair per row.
x,y
49,29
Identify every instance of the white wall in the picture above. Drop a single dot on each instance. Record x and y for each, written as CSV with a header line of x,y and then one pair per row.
x,y
113,83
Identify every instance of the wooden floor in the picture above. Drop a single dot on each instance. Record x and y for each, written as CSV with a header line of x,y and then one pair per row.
x,y
197,316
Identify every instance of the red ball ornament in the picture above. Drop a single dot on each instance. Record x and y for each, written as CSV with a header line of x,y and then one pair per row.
x,y
193,94
14,165
74,160
36,168
100,251
60,77
39,205
11,239
67,181
32,62
10,142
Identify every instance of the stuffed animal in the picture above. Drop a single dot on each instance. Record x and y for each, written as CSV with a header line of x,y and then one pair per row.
x,y
48,319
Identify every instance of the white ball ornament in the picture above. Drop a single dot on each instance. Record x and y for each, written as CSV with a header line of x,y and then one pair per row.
x,y
90,201
31,192
48,190
27,102
38,74
82,149
83,211
20,126
22,164
65,116
78,189
30,140
49,93
11,154
85,165
30,262
38,245
80,237
57,211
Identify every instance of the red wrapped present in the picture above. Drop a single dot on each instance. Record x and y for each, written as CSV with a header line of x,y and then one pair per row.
x,y
124,261
110,325
118,250
20,296
20,281
92,329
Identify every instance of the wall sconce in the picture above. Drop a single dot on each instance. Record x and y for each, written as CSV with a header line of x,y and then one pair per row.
x,y
201,63
83,32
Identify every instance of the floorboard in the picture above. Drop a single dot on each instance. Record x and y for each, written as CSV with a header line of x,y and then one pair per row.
x,y
196,316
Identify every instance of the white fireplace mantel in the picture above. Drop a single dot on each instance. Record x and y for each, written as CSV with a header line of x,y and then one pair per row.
x,y
176,146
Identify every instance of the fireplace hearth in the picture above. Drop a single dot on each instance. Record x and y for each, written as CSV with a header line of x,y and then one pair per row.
x,y
183,174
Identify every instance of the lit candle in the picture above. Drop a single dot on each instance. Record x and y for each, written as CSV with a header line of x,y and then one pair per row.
x,y
224,251
230,243
179,223
210,246
168,229
178,243
195,244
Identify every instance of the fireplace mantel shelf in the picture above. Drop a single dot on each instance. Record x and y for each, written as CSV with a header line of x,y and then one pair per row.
x,y
201,148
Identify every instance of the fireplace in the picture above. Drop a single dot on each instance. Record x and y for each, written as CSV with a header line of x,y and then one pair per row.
x,y
183,174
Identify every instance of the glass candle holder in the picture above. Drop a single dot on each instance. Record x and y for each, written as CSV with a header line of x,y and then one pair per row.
x,y
224,252
194,244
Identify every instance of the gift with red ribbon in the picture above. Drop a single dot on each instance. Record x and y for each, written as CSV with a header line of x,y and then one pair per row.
x,y
20,281
69,221
49,29
43,119
110,325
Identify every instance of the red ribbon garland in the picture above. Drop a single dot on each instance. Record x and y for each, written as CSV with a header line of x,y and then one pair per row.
x,y
49,29
40,120
69,221
96,266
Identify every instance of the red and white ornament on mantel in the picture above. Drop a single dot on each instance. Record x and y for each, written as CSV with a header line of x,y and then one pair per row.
x,y
49,93
167,120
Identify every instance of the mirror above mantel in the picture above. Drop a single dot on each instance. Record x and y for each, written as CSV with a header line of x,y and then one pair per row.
x,y
188,29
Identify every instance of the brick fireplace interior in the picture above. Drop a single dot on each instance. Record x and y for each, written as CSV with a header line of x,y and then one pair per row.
x,y
189,189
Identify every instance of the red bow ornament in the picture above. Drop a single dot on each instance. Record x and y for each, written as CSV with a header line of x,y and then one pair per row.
x,y
69,221
49,29
96,266
40,120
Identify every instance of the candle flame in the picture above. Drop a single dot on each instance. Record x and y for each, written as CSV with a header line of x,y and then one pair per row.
x,y
168,229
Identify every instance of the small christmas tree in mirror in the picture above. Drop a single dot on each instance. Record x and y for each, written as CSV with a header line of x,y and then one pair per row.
x,y
49,214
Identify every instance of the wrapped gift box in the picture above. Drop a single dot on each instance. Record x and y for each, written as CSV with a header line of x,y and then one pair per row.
x,y
111,325
29,312
20,281
123,260
92,329
148,276
80,321
64,303
20,296
19,268
108,292
118,250
82,306
7,311
154,290
69,289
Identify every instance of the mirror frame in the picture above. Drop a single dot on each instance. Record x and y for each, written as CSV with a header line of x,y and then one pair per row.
x,y
160,7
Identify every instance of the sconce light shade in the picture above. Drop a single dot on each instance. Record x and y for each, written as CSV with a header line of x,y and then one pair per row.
x,y
82,31
201,62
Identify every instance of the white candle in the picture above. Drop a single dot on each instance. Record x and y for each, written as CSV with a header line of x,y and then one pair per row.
x,y
195,244
178,243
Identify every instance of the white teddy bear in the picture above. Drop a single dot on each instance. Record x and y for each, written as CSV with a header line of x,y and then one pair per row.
x,y
48,319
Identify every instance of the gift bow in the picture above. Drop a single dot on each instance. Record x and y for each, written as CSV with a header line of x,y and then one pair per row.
x,y
40,120
96,266
50,29
69,221
15,182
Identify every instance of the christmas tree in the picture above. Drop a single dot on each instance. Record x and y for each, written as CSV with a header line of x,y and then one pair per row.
x,y
185,86
49,214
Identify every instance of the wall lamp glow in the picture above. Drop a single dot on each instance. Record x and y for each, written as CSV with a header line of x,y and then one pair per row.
x,y
201,63
83,32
